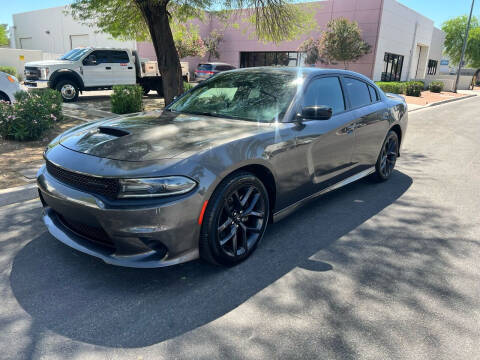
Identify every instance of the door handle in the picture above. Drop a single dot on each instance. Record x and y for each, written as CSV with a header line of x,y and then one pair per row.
x,y
108,68
130,68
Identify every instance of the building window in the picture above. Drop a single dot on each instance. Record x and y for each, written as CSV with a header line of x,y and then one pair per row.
x,y
271,58
432,67
392,68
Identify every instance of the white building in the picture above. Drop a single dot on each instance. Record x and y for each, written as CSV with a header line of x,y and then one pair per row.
x,y
409,45
55,31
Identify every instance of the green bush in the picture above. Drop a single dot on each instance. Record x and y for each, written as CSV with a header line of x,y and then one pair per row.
x,y
436,86
392,87
187,86
31,115
414,88
9,70
127,99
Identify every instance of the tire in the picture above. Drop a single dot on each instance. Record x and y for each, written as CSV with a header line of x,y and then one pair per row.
x,y
387,157
68,89
146,90
229,235
159,92
4,97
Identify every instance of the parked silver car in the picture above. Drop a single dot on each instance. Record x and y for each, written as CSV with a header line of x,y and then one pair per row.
x,y
205,176
205,71
9,85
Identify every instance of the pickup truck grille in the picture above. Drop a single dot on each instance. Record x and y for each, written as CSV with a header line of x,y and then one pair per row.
x,y
107,187
32,73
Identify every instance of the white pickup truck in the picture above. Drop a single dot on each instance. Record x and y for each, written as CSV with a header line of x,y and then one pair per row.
x,y
86,69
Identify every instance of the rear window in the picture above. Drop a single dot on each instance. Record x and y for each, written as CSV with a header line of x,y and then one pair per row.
x,y
119,57
204,67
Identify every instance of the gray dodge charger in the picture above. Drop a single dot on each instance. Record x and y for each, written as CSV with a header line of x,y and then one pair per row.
x,y
204,177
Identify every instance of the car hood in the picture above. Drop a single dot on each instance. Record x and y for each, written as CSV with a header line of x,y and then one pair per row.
x,y
156,135
48,63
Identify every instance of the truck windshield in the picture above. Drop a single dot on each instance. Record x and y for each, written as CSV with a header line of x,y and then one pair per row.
x,y
261,96
74,55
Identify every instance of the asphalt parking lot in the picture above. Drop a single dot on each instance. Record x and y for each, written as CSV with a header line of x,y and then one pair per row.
x,y
370,271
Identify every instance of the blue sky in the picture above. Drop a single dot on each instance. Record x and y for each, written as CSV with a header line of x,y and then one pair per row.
x,y
437,10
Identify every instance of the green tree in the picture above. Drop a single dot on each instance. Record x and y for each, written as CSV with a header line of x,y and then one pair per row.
x,y
311,48
3,35
454,36
342,41
212,43
272,20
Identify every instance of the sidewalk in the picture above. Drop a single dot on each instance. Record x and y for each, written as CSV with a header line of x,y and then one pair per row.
x,y
424,102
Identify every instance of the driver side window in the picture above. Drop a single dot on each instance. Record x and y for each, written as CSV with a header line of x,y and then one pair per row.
x,y
325,91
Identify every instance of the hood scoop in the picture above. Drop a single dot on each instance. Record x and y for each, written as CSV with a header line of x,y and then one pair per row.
x,y
113,131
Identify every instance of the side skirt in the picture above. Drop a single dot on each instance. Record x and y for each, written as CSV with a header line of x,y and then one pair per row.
x,y
291,208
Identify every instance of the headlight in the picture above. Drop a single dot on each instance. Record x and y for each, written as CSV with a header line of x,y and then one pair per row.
x,y
155,187
44,73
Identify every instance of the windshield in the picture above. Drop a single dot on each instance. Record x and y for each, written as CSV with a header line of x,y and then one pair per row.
x,y
262,96
74,55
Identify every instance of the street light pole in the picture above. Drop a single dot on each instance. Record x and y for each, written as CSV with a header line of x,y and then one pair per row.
x,y
464,48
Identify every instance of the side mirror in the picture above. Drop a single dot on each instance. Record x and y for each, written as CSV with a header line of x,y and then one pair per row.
x,y
90,60
318,112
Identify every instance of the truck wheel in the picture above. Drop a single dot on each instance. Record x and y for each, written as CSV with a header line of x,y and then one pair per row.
x,y
146,90
68,89
159,91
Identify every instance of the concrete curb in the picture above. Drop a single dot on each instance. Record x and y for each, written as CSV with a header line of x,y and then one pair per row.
x,y
443,102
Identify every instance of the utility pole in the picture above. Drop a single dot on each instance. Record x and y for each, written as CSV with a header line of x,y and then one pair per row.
x,y
463,48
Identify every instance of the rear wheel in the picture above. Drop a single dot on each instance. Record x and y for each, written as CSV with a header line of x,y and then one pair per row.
x,y
4,97
235,220
387,158
146,90
68,89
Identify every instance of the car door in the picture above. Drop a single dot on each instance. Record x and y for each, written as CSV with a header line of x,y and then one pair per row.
x,y
371,124
97,69
123,70
327,144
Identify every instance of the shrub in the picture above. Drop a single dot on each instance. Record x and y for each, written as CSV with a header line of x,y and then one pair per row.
x,y
392,87
127,99
436,86
9,70
187,86
32,114
414,88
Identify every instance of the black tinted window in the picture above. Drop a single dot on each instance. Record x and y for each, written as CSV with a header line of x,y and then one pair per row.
x,y
325,91
119,57
100,56
373,93
357,92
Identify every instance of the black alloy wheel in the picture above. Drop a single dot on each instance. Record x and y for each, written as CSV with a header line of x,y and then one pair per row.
x,y
235,220
387,158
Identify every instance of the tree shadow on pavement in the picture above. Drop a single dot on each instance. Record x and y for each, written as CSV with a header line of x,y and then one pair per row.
x,y
82,298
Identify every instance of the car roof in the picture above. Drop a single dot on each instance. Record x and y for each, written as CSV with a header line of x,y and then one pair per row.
x,y
214,63
310,71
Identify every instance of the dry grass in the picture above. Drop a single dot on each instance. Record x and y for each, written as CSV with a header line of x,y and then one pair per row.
x,y
16,156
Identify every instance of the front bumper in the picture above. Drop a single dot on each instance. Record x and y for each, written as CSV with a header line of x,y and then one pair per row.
x,y
150,235
36,84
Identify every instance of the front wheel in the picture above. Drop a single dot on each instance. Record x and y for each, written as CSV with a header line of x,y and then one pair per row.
x,y
235,220
68,89
387,158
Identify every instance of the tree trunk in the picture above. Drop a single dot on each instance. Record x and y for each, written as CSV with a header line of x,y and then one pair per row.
x,y
156,16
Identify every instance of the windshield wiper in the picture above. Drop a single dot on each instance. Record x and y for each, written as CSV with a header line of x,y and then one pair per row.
x,y
209,114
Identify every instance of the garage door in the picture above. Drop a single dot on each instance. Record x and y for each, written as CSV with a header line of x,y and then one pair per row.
x,y
79,41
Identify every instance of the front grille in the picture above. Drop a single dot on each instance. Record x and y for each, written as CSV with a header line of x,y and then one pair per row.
x,y
96,185
32,73
91,233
